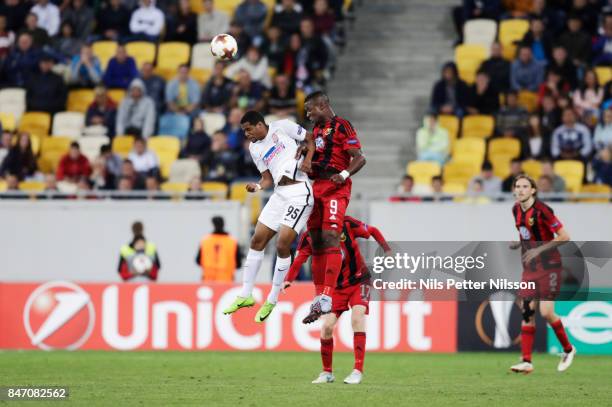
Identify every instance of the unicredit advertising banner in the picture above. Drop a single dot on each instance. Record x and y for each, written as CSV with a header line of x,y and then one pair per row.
x,y
67,315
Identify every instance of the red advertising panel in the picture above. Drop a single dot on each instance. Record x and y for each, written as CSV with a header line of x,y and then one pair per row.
x,y
67,315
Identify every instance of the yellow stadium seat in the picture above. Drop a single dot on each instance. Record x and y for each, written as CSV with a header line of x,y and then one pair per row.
x,y
141,51
468,149
460,172
451,124
104,50
239,193
173,54
196,6
34,186
116,95
217,189
8,121
38,123
504,146
47,162
201,75
229,6
122,145
596,189
423,171
528,100
300,97
468,58
478,125
604,74
501,165
454,188
166,158
52,151
533,168
164,144
79,100
167,73
180,187
572,171
511,31
2,186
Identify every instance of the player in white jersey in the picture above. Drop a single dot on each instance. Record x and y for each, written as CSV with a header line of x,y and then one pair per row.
x,y
274,150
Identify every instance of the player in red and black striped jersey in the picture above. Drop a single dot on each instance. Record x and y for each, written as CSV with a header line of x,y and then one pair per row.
x,y
352,290
337,156
540,233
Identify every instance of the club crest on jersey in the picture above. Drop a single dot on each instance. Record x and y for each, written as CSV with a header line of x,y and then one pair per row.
x,y
531,221
319,142
343,237
274,138
326,132
524,232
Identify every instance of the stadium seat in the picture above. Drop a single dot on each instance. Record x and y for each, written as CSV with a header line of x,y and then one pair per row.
x,y
300,97
104,50
533,168
501,165
177,188
116,95
460,172
596,189
52,150
69,124
454,188
167,150
13,100
468,59
604,74
8,121
477,125
173,124
122,145
79,100
184,170
173,54
229,6
510,147
213,122
32,186
2,186
451,124
196,6
201,57
34,142
572,171
141,51
166,158
90,146
36,123
511,31
95,131
218,190
528,100
202,75
423,171
480,31
469,149
239,193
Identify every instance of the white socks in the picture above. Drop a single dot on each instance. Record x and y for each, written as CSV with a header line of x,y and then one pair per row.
x,y
250,270
280,271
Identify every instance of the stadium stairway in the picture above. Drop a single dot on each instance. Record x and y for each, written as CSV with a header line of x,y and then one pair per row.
x,y
384,78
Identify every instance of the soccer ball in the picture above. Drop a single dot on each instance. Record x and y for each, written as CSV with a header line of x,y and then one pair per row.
x,y
141,263
224,47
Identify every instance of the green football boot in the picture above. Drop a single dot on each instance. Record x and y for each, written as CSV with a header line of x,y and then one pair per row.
x,y
264,312
239,302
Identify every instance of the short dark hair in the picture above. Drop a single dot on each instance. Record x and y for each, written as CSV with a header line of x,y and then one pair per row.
x,y
408,176
218,223
486,166
515,161
317,94
436,178
252,117
105,148
75,144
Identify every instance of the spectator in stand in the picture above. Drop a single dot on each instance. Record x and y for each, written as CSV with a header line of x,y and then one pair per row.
x,y
274,47
482,97
432,141
219,254
450,93
112,21
128,172
545,189
539,40
182,24
6,142
317,54
602,166
562,64
287,16
153,189
7,38
281,101
233,130
571,140
516,168
476,193
588,13
121,70
40,37
558,183
48,16
15,12
491,184
155,86
144,160
46,90
251,14
51,183
136,114
242,38
21,62
576,42
102,111
221,163
511,116
130,253
194,192
535,146
526,73
553,18
324,19
602,48
12,185
73,166
198,142
20,160
81,17
183,93
100,178
85,69
588,97
554,86
293,61
471,9
112,161
211,22
253,63
405,191
66,45
125,185
217,92
247,94
603,131
550,118
436,191
147,22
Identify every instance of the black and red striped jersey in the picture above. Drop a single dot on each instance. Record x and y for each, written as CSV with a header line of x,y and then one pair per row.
x,y
332,140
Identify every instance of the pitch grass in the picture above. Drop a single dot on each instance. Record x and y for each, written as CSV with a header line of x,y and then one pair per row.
x,y
283,379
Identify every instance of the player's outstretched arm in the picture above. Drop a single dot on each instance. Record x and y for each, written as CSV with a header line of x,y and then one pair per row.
x,y
358,160
265,182
380,239
562,237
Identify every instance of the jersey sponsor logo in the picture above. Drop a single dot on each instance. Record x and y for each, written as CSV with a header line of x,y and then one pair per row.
x,y
351,142
524,232
272,153
319,143
556,224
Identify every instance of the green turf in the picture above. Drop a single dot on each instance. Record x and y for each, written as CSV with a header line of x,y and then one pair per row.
x,y
283,379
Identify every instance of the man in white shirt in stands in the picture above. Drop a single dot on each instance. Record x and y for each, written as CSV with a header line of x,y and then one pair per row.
x,y
211,22
274,149
48,16
144,160
147,21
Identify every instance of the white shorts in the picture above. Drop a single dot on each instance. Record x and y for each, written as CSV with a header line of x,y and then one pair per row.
x,y
289,205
